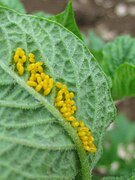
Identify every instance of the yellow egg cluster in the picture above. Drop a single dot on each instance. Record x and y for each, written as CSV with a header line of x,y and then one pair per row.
x,y
20,58
86,137
64,101
38,79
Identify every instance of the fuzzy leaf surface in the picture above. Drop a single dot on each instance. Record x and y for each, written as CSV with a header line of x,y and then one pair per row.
x,y
14,4
35,140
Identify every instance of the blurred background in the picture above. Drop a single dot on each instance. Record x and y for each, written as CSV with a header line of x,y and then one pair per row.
x,y
107,19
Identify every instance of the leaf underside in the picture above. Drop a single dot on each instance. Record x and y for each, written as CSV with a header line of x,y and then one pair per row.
x,y
33,142
14,4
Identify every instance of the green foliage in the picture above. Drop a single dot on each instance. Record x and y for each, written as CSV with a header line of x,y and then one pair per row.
x,y
124,81
35,140
118,52
95,44
118,62
14,4
42,14
115,178
67,19
119,140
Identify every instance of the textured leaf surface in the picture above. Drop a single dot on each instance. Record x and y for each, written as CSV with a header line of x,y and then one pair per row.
x,y
118,52
124,81
119,63
14,4
35,141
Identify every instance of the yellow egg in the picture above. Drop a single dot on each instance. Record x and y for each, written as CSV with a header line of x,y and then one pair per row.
x,y
38,87
71,118
59,98
71,95
40,69
16,57
63,110
21,70
47,91
39,79
45,84
81,133
75,124
24,58
46,77
31,55
18,65
43,76
31,83
85,143
32,60
60,103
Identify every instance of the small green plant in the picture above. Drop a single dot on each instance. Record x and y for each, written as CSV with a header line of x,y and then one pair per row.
x,y
117,59
45,134
119,142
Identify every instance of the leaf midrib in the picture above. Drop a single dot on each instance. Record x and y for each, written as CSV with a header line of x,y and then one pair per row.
x,y
70,130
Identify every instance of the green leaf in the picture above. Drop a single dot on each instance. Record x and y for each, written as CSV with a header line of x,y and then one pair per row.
x,y
114,178
42,14
67,19
122,127
124,81
118,62
14,4
35,140
95,44
118,52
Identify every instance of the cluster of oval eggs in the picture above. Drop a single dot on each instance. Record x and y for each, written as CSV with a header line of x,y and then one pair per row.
x,y
86,137
38,79
20,59
64,101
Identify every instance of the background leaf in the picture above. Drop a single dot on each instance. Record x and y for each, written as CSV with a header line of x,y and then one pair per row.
x,y
114,178
124,81
95,44
118,62
119,148
118,52
42,14
35,141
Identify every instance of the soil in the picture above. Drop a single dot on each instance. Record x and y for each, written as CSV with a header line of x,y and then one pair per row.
x,y
108,18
